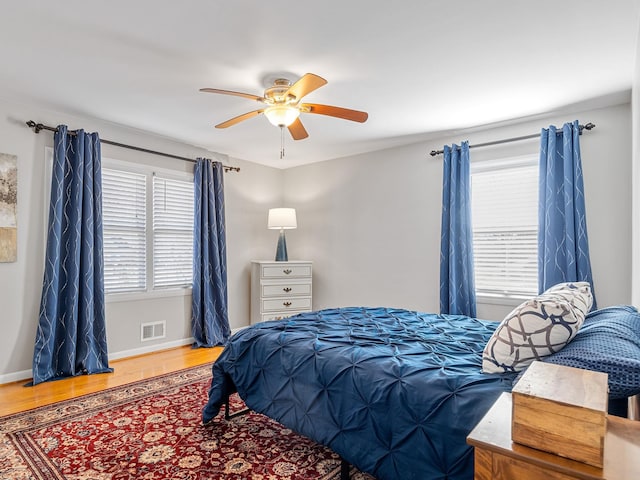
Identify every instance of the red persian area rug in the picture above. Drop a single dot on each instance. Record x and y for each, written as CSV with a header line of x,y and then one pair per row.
x,y
152,430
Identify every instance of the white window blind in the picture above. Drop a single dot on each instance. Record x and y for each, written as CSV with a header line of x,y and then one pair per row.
x,y
124,197
505,225
172,232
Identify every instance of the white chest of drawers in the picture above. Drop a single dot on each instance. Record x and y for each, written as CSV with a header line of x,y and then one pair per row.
x,y
280,289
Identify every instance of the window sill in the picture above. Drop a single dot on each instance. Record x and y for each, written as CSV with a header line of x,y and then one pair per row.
x,y
497,299
150,295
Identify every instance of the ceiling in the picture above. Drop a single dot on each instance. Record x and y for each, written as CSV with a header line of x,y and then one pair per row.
x,y
419,68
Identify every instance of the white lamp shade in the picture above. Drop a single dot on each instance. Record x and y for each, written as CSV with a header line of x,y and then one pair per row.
x,y
282,218
282,115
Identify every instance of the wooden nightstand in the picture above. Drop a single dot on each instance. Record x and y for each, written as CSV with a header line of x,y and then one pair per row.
x,y
498,458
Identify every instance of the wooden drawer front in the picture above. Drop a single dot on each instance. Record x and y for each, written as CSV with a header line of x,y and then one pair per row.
x,y
483,469
286,303
286,271
279,315
506,468
286,289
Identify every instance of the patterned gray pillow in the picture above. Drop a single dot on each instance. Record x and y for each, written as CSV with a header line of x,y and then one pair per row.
x,y
537,328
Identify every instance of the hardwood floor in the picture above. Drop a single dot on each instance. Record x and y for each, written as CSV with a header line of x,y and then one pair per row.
x,y
15,397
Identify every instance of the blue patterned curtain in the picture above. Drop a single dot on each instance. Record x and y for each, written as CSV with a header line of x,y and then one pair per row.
x,y
71,337
563,247
457,284
209,317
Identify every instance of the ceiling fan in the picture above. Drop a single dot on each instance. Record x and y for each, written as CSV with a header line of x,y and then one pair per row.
x,y
283,105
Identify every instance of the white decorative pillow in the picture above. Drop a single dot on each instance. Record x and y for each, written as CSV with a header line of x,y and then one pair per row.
x,y
537,328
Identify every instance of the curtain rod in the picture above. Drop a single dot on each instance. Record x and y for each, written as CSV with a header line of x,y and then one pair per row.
x,y
37,127
588,126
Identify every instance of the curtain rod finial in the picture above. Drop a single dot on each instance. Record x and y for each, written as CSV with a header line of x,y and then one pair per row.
x,y
37,127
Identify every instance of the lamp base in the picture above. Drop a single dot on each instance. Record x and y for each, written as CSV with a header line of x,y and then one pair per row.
x,y
281,250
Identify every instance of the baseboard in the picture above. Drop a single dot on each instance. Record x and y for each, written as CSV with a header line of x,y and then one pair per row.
x,y
25,375
236,330
156,347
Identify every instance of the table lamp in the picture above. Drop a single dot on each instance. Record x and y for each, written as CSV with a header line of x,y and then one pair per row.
x,y
282,219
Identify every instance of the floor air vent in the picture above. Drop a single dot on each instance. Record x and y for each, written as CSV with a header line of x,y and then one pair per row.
x,y
152,331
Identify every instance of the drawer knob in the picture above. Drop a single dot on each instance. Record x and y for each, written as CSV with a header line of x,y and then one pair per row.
x,y
286,271
286,304
287,289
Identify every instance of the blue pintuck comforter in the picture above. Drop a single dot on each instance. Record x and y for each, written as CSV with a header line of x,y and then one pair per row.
x,y
393,392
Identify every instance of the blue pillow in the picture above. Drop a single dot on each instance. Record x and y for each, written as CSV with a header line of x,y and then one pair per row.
x,y
609,342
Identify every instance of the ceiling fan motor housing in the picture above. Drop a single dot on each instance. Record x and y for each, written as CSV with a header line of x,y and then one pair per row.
x,y
277,94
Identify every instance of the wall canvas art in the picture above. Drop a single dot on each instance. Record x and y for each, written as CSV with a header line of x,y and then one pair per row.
x,y
8,206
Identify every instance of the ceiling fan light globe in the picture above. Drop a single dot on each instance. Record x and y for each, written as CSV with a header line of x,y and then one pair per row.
x,y
282,115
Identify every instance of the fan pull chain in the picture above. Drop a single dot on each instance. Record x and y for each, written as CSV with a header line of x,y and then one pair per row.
x,y
281,142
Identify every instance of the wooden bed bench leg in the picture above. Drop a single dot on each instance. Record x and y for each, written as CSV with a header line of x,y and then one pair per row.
x,y
344,469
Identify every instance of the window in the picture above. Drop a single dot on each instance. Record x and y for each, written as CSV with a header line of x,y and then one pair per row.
x,y
148,229
504,199
124,200
172,232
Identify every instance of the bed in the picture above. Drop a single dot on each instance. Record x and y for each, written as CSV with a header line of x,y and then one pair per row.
x,y
393,392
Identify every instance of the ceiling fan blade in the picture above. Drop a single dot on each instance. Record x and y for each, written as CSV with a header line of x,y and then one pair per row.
x,y
305,85
297,130
345,113
229,92
239,118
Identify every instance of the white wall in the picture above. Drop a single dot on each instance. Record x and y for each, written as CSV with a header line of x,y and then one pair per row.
x,y
371,223
248,195
635,102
